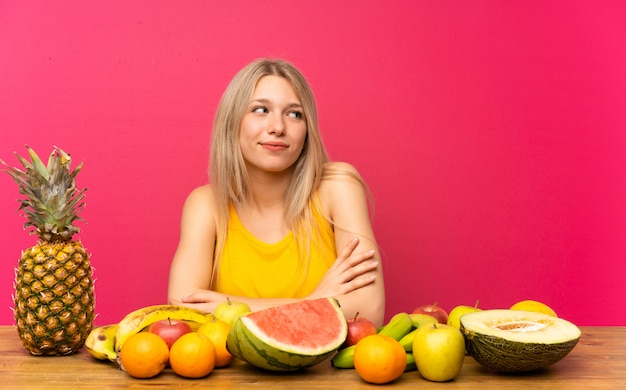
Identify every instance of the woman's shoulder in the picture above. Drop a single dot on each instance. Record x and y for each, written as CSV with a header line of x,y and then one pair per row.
x,y
343,193
340,166
201,198
340,169
340,178
339,173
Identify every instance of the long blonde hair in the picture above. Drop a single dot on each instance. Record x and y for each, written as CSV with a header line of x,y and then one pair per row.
x,y
227,170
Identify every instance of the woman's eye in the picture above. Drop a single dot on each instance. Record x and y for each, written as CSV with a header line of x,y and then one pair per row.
x,y
260,110
295,114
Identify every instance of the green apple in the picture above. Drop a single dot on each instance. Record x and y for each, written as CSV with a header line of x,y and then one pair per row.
x,y
420,319
439,352
229,311
454,318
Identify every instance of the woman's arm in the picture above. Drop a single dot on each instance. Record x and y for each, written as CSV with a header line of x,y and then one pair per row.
x,y
344,200
193,261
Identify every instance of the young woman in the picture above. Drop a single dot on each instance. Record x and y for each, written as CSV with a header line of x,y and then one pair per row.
x,y
278,222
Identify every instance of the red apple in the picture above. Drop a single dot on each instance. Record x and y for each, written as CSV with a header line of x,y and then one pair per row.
x,y
170,330
358,327
435,311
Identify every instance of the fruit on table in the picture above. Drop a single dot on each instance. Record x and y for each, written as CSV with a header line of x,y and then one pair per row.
x,y
344,358
439,352
170,330
138,320
398,327
192,356
407,340
421,319
54,291
379,359
289,337
454,318
229,311
530,305
433,310
358,328
144,355
217,331
517,341
100,342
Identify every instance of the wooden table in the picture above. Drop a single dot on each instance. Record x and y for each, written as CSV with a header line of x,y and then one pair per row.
x,y
597,362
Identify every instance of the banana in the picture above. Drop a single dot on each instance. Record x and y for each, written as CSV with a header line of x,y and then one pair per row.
x,y
407,340
135,321
344,358
410,362
398,326
100,342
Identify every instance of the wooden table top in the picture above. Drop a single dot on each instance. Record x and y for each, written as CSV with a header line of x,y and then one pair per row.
x,y
597,362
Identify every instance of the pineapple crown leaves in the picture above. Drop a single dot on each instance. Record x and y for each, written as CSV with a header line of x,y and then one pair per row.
x,y
51,202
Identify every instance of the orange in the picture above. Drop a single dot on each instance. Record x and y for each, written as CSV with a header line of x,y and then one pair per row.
x,y
217,331
192,356
144,355
379,359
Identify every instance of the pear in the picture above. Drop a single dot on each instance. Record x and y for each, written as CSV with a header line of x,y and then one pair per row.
x,y
454,318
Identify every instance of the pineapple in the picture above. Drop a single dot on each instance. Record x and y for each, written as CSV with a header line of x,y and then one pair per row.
x,y
54,290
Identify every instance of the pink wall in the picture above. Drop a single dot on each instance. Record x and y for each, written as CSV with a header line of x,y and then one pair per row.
x,y
492,135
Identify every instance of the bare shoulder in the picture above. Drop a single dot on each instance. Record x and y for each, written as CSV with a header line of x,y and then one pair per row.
x,y
201,200
342,187
337,175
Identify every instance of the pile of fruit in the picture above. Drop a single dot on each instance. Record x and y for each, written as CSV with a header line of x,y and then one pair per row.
x,y
147,340
289,338
193,343
526,337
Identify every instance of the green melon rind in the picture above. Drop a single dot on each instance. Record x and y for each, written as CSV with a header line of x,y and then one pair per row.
x,y
245,345
505,355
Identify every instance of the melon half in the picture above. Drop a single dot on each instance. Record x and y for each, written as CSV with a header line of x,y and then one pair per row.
x,y
517,341
289,337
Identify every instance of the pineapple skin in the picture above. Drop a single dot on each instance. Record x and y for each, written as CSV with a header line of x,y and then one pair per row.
x,y
54,298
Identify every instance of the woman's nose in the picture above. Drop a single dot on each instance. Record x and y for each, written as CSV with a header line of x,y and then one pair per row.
x,y
276,125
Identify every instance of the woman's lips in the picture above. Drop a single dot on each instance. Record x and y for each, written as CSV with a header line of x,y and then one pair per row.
x,y
274,146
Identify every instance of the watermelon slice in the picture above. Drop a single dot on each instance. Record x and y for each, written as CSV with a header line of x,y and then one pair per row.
x,y
289,337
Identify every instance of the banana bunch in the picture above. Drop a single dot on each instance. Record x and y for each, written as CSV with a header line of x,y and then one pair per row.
x,y
105,342
399,326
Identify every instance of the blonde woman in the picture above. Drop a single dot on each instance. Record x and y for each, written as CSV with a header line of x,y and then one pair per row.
x,y
278,222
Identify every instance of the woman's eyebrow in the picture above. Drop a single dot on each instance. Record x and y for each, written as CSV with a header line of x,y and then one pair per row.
x,y
268,101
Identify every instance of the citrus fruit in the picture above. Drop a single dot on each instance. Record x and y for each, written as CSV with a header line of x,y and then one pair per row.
x,y
534,306
379,359
217,331
192,356
144,355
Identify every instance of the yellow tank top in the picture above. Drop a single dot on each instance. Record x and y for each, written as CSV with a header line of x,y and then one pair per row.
x,y
253,268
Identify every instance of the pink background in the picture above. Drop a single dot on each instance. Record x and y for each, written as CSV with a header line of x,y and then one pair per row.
x,y
492,135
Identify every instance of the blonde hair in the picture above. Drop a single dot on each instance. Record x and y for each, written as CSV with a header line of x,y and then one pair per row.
x,y
227,170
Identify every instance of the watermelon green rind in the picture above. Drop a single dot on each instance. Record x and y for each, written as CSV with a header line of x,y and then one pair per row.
x,y
247,342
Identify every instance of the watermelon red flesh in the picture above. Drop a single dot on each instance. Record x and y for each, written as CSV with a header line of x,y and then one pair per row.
x,y
294,328
289,337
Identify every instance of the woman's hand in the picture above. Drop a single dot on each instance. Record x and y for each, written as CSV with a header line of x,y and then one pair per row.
x,y
349,272
205,300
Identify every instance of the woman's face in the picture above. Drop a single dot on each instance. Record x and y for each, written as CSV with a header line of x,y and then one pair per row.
x,y
273,129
